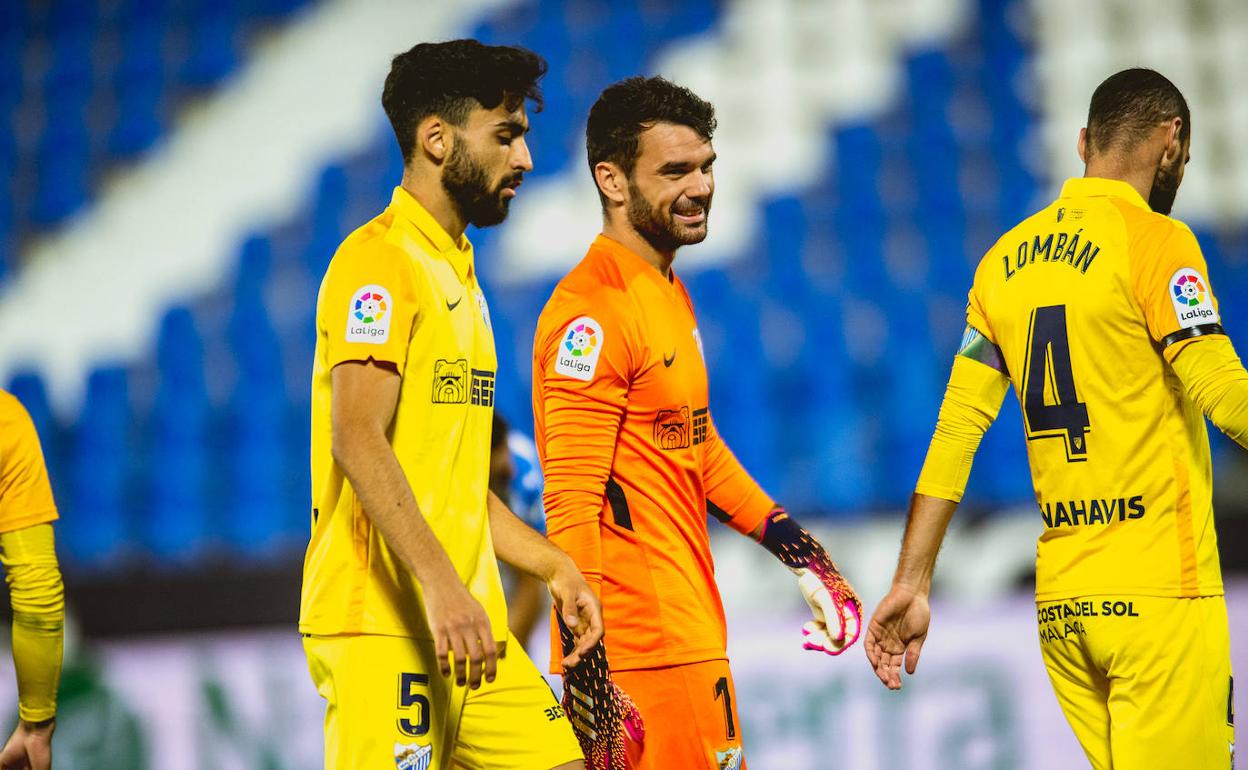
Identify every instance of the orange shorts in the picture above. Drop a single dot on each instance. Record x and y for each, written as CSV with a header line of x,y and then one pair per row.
x,y
690,713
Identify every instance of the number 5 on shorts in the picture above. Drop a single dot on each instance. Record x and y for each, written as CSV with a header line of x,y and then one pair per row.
x,y
410,699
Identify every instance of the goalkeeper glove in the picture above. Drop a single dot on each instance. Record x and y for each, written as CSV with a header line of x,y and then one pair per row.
x,y
606,722
837,611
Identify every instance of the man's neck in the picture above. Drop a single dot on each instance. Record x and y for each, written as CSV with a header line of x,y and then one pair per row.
x,y
632,240
1138,176
429,192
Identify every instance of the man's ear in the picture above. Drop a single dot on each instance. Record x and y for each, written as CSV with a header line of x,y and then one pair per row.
x,y
611,181
1083,145
434,138
1174,141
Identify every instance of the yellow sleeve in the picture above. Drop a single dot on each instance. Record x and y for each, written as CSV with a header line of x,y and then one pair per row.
x,y
1170,282
1215,379
38,599
25,494
976,316
972,400
368,305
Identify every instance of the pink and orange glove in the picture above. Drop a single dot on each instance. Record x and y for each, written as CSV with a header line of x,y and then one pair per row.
x,y
837,621
607,724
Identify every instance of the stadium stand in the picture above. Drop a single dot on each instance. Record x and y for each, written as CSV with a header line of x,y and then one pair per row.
x,y
87,85
828,336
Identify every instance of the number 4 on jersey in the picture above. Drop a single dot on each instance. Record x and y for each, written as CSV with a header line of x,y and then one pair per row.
x,y
1048,364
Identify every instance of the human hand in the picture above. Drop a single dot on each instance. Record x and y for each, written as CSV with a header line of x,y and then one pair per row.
x,y
30,746
897,631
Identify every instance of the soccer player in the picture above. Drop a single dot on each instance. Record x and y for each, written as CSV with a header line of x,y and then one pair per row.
x,y
403,616
1099,311
28,553
632,459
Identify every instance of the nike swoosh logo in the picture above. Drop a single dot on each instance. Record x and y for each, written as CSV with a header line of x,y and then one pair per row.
x,y
667,362
452,305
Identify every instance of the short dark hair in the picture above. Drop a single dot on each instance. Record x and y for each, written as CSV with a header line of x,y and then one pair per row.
x,y
447,79
1130,104
627,108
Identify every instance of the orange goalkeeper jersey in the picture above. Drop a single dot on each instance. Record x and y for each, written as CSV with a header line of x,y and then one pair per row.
x,y
631,458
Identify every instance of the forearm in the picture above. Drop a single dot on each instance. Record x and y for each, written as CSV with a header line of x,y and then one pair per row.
x,y
732,496
1215,379
925,531
580,441
369,463
38,599
519,545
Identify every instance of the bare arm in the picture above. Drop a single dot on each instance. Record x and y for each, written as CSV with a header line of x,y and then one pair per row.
x,y
519,545
365,395
926,524
973,397
899,625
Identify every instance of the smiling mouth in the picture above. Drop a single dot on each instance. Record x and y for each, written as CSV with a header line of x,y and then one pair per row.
x,y
695,218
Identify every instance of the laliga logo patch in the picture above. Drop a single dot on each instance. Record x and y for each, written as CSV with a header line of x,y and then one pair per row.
x,y
577,356
1193,303
730,759
412,756
368,315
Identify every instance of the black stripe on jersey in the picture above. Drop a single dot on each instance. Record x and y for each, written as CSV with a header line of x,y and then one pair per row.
x,y
1195,331
717,512
619,505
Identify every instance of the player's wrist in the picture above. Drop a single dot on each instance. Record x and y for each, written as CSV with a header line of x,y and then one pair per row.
x,y
916,587
558,568
38,725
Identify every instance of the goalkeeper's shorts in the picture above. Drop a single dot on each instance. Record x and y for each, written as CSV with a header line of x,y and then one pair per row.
x,y
1144,681
388,706
690,713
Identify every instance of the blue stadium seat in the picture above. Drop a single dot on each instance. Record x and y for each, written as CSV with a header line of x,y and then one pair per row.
x,y
99,531
176,527
62,188
257,509
140,120
213,30
29,388
71,76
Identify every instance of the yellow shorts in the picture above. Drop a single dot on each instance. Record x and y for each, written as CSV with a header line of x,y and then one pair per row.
x,y
388,706
1144,681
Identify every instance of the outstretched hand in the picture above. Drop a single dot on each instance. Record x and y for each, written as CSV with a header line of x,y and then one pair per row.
x,y
897,631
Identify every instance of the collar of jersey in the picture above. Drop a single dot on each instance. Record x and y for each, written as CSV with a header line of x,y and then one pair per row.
x,y
630,262
1097,187
458,254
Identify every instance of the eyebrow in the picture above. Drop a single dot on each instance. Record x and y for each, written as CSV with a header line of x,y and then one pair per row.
x,y
674,166
514,126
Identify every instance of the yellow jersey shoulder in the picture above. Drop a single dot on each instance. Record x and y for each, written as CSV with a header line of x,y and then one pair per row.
x,y
25,492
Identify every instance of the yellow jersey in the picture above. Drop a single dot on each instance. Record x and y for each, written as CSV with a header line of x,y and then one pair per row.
x,y
402,291
1089,301
25,492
